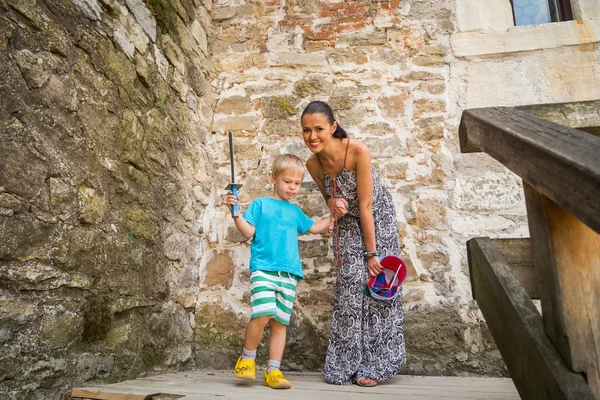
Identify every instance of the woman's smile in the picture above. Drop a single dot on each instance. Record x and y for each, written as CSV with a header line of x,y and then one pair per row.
x,y
316,131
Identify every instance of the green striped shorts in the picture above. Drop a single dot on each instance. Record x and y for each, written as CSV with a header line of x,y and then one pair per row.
x,y
272,293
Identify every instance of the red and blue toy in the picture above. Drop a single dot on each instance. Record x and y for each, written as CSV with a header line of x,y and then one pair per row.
x,y
386,285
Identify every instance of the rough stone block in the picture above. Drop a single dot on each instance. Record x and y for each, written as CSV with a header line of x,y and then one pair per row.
x,y
490,192
349,55
395,171
35,68
394,106
173,54
406,38
60,329
385,147
313,85
430,128
292,59
279,107
377,38
222,13
430,214
144,73
199,36
219,271
316,297
428,107
313,248
428,61
434,87
219,335
174,246
143,16
411,294
281,127
425,76
141,223
233,235
233,105
161,63
342,102
245,123
21,171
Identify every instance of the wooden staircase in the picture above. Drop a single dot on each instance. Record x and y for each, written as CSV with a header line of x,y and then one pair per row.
x,y
555,149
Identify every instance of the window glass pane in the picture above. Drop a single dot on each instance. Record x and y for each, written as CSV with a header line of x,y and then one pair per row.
x,y
530,12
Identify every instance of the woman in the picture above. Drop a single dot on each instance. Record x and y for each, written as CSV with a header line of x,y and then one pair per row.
x,y
366,344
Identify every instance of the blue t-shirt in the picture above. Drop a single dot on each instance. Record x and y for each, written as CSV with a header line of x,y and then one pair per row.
x,y
275,243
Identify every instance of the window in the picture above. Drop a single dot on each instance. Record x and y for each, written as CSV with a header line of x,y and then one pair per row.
x,y
531,12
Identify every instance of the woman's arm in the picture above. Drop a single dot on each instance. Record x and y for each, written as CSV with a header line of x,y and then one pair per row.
x,y
316,172
364,182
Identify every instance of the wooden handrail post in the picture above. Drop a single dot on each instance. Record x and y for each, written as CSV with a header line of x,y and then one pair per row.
x,y
566,256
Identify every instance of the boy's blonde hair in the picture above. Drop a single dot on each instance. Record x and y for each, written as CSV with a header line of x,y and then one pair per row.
x,y
287,162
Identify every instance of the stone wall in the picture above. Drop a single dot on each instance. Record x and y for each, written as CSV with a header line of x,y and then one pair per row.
x,y
386,68
399,74
104,180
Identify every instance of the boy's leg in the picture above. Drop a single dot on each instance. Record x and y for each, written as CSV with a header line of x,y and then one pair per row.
x,y
264,307
285,302
273,376
277,340
254,332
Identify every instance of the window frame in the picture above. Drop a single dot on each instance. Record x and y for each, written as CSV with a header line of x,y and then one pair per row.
x,y
565,11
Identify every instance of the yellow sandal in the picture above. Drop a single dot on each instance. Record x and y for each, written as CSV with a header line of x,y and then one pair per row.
x,y
276,380
245,369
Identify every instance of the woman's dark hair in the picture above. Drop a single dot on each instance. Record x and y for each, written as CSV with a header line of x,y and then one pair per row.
x,y
320,107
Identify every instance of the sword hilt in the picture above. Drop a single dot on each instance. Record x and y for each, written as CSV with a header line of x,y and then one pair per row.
x,y
235,209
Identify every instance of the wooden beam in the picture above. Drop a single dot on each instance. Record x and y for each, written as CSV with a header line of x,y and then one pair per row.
x,y
517,253
567,260
534,364
560,162
579,114
102,395
593,130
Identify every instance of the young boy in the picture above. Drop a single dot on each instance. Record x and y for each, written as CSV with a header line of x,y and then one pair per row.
x,y
274,224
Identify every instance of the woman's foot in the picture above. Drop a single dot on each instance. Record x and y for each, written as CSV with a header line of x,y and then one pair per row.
x,y
367,382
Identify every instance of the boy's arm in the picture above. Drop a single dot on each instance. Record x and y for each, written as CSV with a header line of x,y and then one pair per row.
x,y
320,225
245,228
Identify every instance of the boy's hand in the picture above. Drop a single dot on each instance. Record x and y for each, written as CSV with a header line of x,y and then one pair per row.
x,y
338,207
230,200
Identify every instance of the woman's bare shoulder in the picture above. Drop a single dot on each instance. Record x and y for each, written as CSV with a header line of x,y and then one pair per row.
x,y
358,151
358,147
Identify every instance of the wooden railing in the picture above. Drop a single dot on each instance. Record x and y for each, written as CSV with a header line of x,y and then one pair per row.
x,y
555,355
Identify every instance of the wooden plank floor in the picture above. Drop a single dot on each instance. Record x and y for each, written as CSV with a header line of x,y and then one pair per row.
x,y
203,385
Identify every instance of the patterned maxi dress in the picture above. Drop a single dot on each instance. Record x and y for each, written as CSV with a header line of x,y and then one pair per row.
x,y
367,335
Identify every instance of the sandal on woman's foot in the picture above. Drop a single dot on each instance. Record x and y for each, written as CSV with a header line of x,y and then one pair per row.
x,y
366,382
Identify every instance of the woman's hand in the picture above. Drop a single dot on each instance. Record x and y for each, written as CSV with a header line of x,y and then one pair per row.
x,y
338,207
374,266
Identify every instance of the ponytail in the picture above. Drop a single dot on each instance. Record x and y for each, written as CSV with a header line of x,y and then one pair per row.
x,y
320,107
340,133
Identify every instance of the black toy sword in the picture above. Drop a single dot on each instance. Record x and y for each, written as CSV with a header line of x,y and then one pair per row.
x,y
235,209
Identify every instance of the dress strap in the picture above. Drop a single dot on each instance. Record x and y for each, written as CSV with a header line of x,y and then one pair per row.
x,y
346,155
